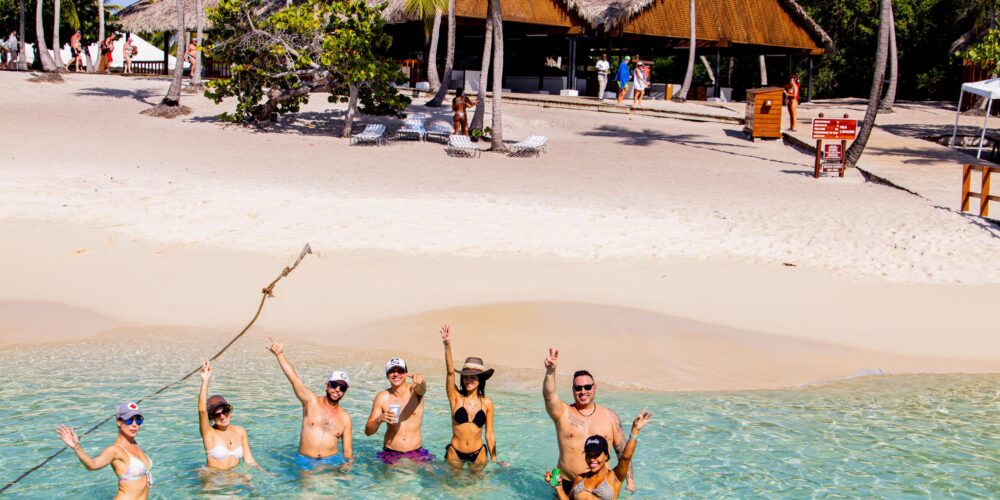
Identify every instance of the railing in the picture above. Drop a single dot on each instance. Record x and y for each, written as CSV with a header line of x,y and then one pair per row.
x,y
212,69
147,67
983,194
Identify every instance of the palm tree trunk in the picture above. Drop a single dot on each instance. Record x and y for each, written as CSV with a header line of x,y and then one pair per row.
x,y
890,95
432,66
484,72
449,59
48,64
763,71
22,58
86,55
497,133
100,21
173,97
56,46
881,54
196,75
352,107
681,96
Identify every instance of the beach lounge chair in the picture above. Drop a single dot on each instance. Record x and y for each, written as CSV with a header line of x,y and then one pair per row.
x,y
411,130
532,146
439,131
372,133
460,145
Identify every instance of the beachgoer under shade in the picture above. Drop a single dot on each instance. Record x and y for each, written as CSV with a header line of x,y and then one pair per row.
x,y
76,48
622,78
325,424
639,84
603,68
129,462
225,444
600,481
471,411
401,408
576,421
459,104
792,95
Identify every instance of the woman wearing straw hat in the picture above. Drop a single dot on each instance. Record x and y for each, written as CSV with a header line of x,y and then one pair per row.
x,y
225,444
471,411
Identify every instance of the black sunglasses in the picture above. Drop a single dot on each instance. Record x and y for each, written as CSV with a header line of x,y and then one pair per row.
x,y
225,410
396,369
578,388
338,385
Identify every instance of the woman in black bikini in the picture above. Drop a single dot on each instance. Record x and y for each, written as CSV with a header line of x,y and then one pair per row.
x,y
471,411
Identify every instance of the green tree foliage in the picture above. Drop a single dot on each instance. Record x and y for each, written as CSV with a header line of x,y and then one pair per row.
x,y
987,52
279,58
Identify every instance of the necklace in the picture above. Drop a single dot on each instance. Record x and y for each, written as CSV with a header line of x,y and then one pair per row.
x,y
591,412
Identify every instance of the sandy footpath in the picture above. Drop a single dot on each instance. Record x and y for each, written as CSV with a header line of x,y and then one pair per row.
x,y
664,254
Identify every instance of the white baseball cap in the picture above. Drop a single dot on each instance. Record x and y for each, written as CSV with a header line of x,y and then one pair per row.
x,y
339,376
395,362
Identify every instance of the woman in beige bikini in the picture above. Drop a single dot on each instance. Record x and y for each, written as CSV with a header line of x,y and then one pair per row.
x,y
459,104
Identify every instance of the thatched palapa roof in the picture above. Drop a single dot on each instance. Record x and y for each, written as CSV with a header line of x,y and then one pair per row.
x,y
153,16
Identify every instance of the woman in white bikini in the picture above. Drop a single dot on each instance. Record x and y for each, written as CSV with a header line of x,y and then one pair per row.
x,y
130,463
225,444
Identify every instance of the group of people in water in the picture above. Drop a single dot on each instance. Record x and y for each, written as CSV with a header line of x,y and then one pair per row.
x,y
586,432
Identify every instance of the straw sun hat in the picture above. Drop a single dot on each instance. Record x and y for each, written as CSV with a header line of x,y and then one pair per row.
x,y
474,366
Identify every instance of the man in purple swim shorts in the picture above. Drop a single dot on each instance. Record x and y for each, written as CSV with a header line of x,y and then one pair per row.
x,y
401,408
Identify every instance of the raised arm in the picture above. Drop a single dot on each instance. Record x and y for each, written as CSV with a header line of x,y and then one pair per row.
x,y
624,468
449,366
301,391
101,461
553,405
618,442
419,384
203,424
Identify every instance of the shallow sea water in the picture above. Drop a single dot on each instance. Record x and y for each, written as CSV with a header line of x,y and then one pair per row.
x,y
884,436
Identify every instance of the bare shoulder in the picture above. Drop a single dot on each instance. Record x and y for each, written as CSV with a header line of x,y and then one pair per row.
x,y
487,401
240,429
381,397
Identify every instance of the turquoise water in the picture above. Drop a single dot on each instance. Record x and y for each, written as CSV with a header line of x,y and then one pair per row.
x,y
887,436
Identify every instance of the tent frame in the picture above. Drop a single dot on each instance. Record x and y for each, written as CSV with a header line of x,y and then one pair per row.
x,y
972,89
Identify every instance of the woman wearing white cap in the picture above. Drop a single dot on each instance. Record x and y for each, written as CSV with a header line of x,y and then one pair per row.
x,y
129,462
471,411
225,444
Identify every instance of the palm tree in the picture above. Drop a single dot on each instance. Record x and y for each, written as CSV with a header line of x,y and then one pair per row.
x,y
881,54
497,133
196,75
48,64
56,46
890,94
170,106
449,59
430,12
681,96
484,71
100,24
22,58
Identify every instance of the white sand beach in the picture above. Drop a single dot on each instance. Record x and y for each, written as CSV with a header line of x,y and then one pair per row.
x,y
664,254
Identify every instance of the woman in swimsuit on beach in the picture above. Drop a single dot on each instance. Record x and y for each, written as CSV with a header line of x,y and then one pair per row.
x,y
471,411
225,444
601,481
130,463
459,104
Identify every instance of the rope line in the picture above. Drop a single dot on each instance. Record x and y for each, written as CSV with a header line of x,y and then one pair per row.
x,y
266,293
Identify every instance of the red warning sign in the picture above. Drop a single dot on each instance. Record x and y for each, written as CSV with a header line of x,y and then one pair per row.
x,y
833,152
837,129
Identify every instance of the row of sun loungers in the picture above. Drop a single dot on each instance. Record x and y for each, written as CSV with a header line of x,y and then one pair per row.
x,y
414,128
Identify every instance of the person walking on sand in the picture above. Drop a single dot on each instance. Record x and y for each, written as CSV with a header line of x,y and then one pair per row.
x,y
325,437
13,50
459,104
107,49
128,50
622,78
577,421
601,481
639,84
225,444
76,48
191,56
129,462
792,94
603,69
401,408
471,411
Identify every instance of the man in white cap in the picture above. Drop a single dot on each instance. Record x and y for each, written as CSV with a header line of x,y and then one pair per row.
x,y
325,424
401,407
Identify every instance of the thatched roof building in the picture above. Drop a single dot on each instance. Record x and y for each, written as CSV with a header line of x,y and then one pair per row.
x,y
154,16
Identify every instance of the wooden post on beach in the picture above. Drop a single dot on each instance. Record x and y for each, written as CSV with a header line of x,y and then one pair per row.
x,y
984,193
819,155
966,181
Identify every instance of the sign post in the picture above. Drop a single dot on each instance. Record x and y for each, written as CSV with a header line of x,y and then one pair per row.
x,y
832,157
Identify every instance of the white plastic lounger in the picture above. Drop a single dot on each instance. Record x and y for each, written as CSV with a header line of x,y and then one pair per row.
x,y
460,145
372,133
411,130
532,146
439,131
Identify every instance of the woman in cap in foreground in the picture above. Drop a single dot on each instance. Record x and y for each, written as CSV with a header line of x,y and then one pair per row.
x,y
471,411
129,462
225,444
600,481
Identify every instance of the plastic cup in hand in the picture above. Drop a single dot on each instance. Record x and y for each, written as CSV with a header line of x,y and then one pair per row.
x,y
394,409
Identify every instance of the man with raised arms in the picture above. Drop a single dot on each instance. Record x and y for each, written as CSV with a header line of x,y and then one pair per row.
x,y
325,425
578,421
401,407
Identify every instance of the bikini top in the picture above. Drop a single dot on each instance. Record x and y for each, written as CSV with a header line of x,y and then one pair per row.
x,y
136,468
604,491
221,453
462,416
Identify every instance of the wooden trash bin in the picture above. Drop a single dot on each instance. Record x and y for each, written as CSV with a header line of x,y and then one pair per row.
x,y
764,112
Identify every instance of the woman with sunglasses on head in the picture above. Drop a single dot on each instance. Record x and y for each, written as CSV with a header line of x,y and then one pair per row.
x,y
471,411
129,462
225,444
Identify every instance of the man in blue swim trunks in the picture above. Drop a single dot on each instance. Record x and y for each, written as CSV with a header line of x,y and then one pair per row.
x,y
401,408
325,425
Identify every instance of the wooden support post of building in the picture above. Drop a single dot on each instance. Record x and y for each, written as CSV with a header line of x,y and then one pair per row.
x,y
166,52
571,68
718,72
809,91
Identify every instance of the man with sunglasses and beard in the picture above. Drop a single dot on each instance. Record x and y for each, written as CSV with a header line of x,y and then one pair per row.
x,y
578,421
325,425
401,408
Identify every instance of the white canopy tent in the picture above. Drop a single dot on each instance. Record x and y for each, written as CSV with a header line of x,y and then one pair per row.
x,y
990,89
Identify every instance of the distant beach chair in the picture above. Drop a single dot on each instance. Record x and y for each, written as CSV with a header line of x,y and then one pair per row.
x,y
411,130
372,133
532,146
460,145
439,131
